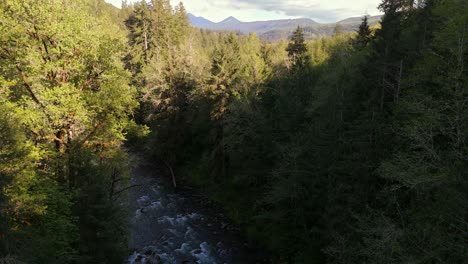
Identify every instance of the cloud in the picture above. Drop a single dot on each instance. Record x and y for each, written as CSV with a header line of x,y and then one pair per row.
x,y
330,10
250,10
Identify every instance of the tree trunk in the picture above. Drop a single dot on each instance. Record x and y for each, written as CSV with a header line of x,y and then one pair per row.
x,y
397,93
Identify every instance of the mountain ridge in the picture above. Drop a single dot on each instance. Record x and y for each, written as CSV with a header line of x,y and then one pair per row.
x,y
280,28
230,20
199,21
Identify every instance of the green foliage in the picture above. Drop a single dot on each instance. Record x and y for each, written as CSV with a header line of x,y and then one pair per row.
x,y
33,206
364,34
226,72
54,234
68,82
297,47
353,155
63,88
429,167
102,235
347,149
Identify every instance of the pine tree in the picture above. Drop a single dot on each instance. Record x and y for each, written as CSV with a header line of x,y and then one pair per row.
x,y
297,45
139,24
181,24
364,35
297,48
225,74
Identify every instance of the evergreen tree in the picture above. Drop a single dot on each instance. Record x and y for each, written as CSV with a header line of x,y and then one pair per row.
x,y
356,155
225,74
297,47
181,24
427,171
139,24
364,34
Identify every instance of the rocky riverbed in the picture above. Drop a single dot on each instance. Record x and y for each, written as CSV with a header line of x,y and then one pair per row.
x,y
169,226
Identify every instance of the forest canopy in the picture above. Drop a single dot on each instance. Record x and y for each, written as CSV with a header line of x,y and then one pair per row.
x,y
344,149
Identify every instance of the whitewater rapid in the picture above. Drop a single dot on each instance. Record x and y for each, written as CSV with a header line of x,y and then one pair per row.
x,y
166,227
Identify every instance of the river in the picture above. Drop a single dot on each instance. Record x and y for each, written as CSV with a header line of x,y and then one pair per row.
x,y
168,226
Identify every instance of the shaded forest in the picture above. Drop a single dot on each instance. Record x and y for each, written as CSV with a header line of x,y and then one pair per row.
x,y
346,149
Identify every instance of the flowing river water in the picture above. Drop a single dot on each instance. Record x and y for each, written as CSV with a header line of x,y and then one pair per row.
x,y
175,227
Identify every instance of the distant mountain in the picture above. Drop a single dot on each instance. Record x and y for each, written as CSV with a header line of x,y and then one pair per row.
x,y
259,27
199,21
230,21
280,29
354,20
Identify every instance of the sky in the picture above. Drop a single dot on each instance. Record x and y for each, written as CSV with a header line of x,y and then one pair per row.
x,y
255,10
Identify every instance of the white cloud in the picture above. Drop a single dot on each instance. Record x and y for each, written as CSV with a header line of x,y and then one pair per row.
x,y
251,10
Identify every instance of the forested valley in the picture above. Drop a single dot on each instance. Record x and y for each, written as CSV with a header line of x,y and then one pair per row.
x,y
346,149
